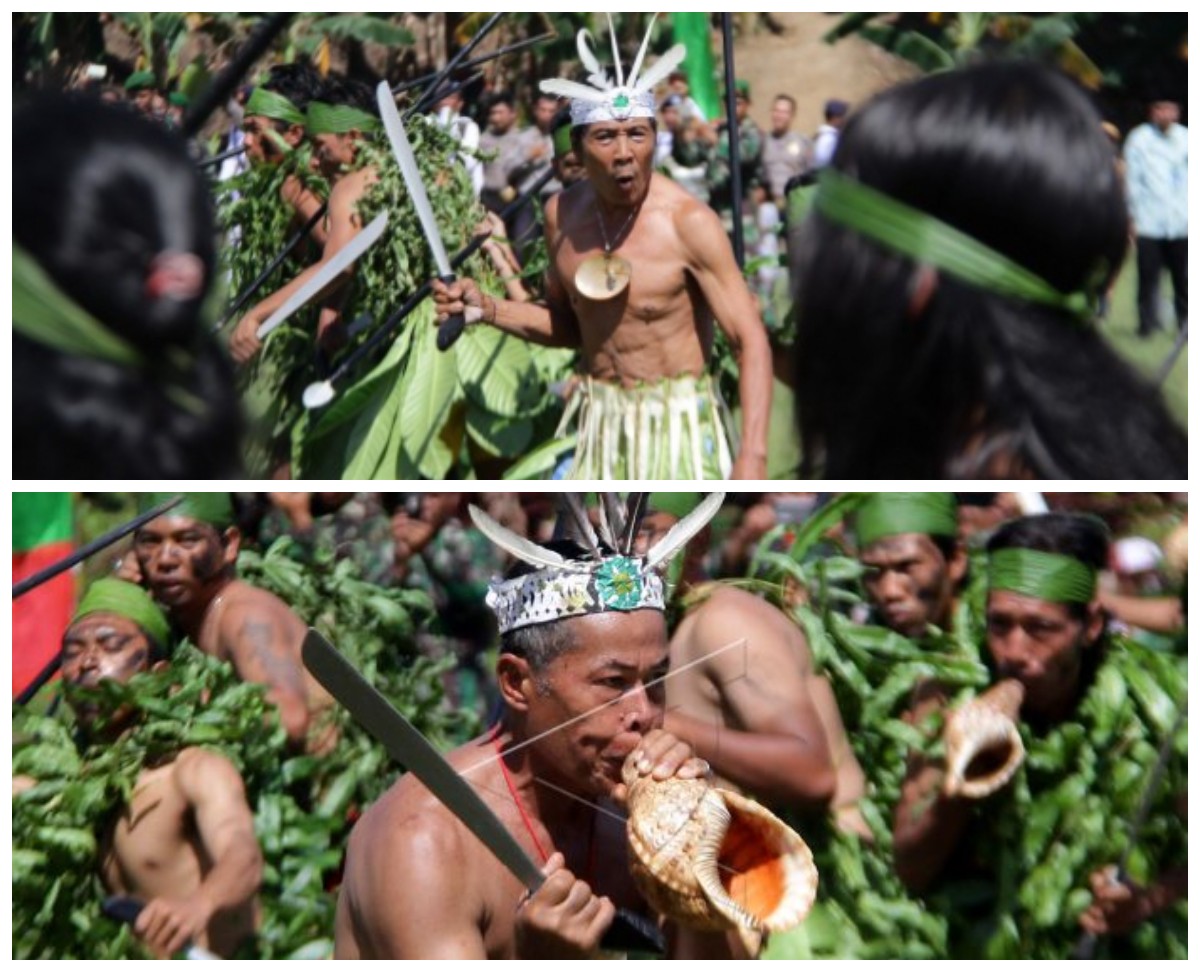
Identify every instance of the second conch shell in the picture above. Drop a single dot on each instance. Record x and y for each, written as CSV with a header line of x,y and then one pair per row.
x,y
983,745
715,860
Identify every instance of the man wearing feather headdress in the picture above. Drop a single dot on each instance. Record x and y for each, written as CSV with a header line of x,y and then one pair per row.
x,y
582,653
639,271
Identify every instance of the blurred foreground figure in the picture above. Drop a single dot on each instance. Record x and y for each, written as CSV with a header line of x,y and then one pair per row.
x,y
946,285
114,372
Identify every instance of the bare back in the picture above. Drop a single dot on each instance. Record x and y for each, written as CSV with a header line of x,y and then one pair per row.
x,y
418,884
661,326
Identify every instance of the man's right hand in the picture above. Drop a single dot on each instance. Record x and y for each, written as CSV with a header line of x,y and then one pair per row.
x,y
461,297
244,343
563,918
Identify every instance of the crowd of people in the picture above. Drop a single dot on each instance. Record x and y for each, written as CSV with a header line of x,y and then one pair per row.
x,y
972,708
607,221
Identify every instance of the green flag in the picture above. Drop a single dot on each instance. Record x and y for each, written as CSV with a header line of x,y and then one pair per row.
x,y
691,30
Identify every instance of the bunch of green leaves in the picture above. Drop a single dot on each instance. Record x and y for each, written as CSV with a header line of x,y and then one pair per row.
x,y
257,222
375,628
1067,814
82,784
420,412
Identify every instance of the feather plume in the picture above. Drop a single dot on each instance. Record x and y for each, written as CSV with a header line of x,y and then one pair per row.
x,y
596,74
514,543
683,531
574,522
573,90
635,510
612,34
658,71
641,54
612,520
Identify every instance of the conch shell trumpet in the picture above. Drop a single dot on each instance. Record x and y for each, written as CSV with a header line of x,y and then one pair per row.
x,y
715,860
983,746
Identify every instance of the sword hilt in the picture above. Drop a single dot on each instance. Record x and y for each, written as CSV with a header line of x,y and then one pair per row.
x,y
451,328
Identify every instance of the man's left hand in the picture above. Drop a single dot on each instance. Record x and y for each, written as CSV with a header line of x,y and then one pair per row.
x,y
1117,908
662,756
167,925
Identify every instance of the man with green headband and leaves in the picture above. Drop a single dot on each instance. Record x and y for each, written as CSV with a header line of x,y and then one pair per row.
x,y
1095,714
743,692
337,123
274,126
912,559
183,842
143,91
188,560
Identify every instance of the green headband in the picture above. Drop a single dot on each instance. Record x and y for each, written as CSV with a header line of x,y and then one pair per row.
x,y
112,596
1046,576
562,141
270,104
43,313
926,239
139,80
213,508
891,514
324,119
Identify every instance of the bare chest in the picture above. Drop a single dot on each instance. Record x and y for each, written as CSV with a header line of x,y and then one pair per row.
x,y
153,847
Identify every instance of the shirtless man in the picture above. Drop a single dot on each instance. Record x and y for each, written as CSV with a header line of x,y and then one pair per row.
x,y
274,125
744,694
909,544
1045,637
185,843
647,409
336,129
188,559
582,697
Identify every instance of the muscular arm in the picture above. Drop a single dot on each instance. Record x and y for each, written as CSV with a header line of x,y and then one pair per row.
x,y
927,825
344,225
305,203
712,263
551,322
780,751
403,896
217,797
216,802
1163,615
260,647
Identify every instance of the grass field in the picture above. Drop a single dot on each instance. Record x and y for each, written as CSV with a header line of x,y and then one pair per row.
x,y
1148,355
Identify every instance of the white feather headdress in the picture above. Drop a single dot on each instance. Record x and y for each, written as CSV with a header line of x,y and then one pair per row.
x,y
610,578
606,99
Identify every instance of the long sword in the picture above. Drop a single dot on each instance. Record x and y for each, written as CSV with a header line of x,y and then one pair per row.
x,y
450,329
338,264
405,744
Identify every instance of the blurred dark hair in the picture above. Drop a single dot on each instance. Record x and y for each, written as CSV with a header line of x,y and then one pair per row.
x,y
299,83
501,98
980,385
346,91
98,194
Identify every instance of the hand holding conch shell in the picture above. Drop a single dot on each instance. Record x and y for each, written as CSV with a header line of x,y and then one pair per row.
x,y
714,860
983,745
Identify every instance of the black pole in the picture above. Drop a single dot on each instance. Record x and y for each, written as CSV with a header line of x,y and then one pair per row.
x,y
731,127
217,159
474,62
225,83
425,100
29,583
256,284
426,288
